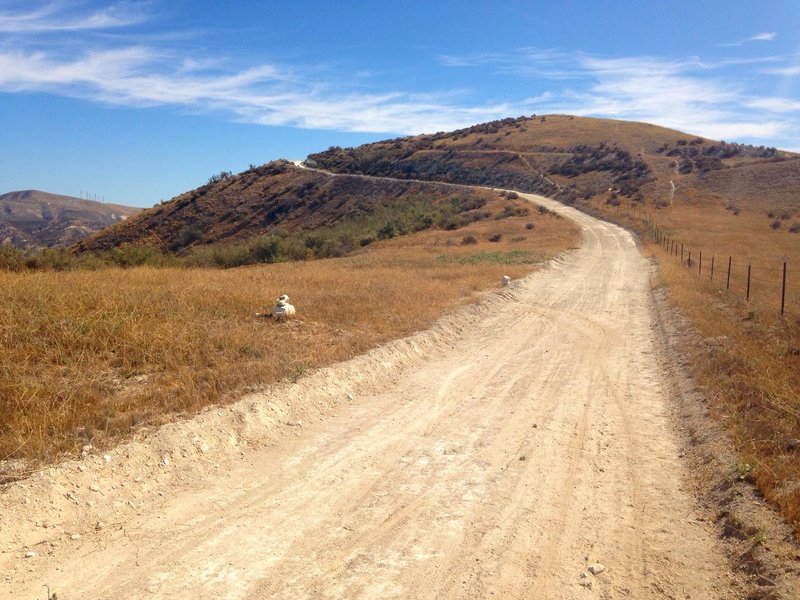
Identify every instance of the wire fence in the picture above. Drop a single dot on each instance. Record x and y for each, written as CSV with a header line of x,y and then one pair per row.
x,y
776,288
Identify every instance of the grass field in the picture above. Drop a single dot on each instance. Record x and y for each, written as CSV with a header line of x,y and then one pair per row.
x,y
92,356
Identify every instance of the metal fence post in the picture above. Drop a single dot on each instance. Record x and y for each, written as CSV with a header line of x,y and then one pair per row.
x,y
728,284
783,289
748,281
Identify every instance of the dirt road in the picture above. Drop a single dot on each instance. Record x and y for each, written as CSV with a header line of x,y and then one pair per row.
x,y
496,456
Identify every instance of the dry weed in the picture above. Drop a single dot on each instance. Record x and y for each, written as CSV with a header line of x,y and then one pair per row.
x,y
88,357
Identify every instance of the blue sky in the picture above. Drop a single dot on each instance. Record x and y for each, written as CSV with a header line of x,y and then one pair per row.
x,y
137,101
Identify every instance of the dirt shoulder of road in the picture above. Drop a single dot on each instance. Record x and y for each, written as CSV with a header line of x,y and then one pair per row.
x,y
762,549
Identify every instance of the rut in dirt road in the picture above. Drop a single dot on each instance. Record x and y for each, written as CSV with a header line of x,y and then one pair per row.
x,y
506,458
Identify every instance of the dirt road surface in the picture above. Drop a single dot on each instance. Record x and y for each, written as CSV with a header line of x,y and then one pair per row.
x,y
498,455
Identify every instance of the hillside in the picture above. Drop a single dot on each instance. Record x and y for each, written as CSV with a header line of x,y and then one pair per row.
x,y
577,160
281,198
570,158
34,218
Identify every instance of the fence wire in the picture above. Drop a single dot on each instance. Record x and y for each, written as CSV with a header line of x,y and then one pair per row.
x,y
777,287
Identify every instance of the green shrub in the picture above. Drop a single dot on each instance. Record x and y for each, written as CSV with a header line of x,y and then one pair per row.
x,y
11,258
511,257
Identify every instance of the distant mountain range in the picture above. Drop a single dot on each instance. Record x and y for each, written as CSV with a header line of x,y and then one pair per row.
x,y
33,218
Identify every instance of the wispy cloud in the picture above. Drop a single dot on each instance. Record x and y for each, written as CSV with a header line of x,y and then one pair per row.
x,y
765,36
776,105
790,71
56,17
268,95
526,61
689,94
114,72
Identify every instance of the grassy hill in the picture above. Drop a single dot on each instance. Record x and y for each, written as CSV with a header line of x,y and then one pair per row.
x,y
287,202
591,163
571,158
32,218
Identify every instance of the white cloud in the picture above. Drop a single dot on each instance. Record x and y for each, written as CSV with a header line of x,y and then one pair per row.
x,y
778,105
119,71
53,17
268,95
672,95
688,94
792,71
766,36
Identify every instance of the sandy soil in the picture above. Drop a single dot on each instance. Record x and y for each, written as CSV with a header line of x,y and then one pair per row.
x,y
497,455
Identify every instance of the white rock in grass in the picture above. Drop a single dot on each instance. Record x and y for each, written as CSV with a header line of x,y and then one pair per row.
x,y
283,310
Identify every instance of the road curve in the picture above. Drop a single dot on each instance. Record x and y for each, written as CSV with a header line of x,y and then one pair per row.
x,y
519,450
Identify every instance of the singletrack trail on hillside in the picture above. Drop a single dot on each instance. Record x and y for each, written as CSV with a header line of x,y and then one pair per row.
x,y
509,456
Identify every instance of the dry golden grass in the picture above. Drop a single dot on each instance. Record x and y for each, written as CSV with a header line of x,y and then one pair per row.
x,y
87,357
561,131
747,238
748,359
